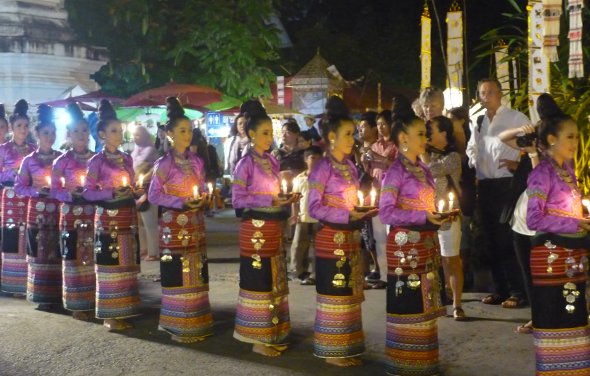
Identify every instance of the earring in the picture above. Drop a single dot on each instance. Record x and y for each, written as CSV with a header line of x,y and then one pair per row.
x,y
332,144
552,144
405,147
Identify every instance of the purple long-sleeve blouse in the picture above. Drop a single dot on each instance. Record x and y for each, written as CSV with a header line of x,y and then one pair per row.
x,y
256,181
404,198
554,206
174,178
72,167
333,188
105,173
34,171
11,157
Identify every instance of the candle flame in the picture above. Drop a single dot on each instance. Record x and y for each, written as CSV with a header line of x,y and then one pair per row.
x,y
63,181
373,197
451,196
586,203
48,180
441,206
140,180
361,198
124,181
284,186
82,181
195,192
210,186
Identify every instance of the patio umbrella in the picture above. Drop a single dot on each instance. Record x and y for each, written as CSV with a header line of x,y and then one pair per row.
x,y
86,100
191,96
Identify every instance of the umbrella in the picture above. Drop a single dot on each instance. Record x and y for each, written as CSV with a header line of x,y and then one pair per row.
x,y
127,114
60,103
84,100
191,96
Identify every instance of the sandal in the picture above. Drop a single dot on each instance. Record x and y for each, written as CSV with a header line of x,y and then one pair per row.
x,y
459,314
493,299
525,328
512,302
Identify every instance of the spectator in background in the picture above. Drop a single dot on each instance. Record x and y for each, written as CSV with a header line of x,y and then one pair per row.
x,y
238,144
3,124
417,107
491,157
305,140
208,154
162,143
144,155
433,105
290,157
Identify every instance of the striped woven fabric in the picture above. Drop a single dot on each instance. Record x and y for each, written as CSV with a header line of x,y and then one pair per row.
x,y
79,277
44,281
117,290
270,231
338,330
425,244
555,275
411,349
14,264
185,311
562,351
328,239
262,318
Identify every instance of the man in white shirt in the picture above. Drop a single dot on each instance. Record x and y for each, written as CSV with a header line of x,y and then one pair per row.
x,y
491,159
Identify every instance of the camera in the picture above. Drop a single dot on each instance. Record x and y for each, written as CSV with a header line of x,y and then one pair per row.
x,y
526,140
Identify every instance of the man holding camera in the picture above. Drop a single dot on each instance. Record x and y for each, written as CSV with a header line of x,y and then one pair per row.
x,y
492,160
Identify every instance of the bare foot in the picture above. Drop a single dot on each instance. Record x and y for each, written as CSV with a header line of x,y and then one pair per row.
x,y
280,348
344,362
265,350
180,339
114,325
82,315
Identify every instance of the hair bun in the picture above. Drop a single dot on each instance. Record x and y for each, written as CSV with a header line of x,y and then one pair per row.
x,y
75,113
174,108
21,108
2,111
44,114
106,111
548,108
401,109
336,108
252,108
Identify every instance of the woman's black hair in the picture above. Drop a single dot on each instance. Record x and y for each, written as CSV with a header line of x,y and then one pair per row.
x,y
444,125
234,127
20,111
336,113
306,134
175,113
292,126
2,112
386,115
44,117
76,115
462,113
106,114
403,117
551,118
370,117
255,115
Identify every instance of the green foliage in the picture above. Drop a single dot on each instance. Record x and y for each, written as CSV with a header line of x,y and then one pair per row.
x,y
572,95
226,44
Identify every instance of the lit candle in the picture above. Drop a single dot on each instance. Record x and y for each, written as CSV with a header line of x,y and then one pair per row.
x,y
63,182
82,181
124,181
284,186
361,198
373,197
441,206
451,199
140,181
586,203
196,192
48,180
210,187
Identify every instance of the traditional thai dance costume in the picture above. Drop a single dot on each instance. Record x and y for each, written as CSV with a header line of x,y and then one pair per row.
x,y
338,330
14,216
76,225
115,241
413,287
262,315
559,266
44,282
185,311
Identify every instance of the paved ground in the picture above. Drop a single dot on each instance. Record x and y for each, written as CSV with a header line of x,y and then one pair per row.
x,y
40,343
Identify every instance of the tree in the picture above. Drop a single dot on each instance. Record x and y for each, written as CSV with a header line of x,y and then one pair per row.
x,y
226,44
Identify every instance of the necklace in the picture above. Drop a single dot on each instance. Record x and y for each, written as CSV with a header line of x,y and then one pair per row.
x,y
263,162
564,175
413,169
342,168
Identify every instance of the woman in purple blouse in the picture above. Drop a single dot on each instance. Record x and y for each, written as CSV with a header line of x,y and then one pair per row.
x,y
185,312
110,183
333,188
262,316
559,255
14,206
76,220
44,282
413,287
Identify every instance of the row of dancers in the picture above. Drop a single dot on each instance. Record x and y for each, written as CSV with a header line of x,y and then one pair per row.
x,y
69,234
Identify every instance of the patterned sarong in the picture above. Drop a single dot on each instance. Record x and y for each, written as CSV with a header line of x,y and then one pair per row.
x,y
14,246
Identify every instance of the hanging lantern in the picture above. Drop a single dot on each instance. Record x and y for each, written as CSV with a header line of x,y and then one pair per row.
x,y
551,15
455,47
425,49
576,58
503,71
538,61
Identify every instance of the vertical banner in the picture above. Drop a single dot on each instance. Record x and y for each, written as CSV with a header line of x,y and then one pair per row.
x,y
281,90
538,61
503,71
455,46
425,49
551,15
576,58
